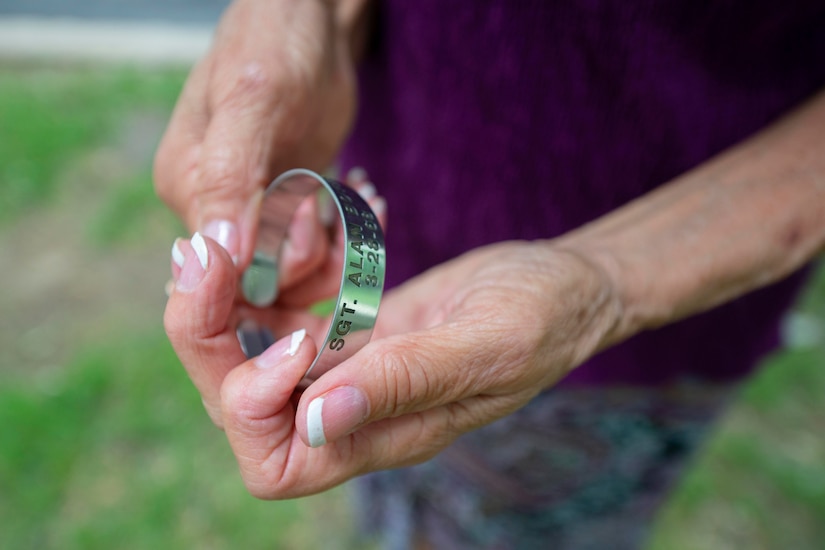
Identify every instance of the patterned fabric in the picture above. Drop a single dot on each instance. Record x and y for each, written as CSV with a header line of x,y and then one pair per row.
x,y
574,470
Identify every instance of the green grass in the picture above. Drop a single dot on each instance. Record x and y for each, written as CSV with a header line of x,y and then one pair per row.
x,y
47,116
126,212
116,447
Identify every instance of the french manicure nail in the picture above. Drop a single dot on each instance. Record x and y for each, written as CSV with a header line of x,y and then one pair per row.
x,y
225,233
356,174
379,205
367,191
177,255
199,246
287,346
295,342
194,266
335,414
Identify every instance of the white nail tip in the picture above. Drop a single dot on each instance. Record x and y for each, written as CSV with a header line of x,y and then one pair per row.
x,y
367,191
315,423
295,342
379,205
199,245
177,255
357,173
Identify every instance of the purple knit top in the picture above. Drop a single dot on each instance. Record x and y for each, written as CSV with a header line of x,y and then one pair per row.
x,y
486,120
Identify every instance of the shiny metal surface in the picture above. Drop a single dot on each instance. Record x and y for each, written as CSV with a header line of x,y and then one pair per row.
x,y
362,276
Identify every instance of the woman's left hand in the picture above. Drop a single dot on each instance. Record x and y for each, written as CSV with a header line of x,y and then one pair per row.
x,y
456,348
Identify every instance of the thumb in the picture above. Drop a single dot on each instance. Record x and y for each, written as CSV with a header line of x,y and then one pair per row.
x,y
408,374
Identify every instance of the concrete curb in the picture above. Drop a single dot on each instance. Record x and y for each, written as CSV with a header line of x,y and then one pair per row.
x,y
64,39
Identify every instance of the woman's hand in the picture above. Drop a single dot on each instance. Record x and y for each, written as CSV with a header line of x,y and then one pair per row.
x,y
276,91
456,348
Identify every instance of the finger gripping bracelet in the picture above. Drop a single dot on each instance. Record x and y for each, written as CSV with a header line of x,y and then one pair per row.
x,y
362,274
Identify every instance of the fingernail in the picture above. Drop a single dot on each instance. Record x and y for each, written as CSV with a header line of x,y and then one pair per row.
x,y
193,271
225,233
379,205
367,191
356,174
295,342
253,338
287,346
335,414
199,245
177,255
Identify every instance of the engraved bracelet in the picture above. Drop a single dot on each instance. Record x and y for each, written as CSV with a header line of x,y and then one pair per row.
x,y
362,275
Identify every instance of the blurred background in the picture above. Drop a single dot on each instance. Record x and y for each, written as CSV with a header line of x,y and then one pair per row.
x,y
103,441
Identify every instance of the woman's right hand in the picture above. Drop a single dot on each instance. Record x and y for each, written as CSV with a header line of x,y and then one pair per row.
x,y
276,91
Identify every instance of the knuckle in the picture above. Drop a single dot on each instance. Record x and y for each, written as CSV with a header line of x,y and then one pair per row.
x,y
240,405
409,378
173,324
220,168
258,489
237,406
459,418
266,483
280,94
223,173
253,82
256,85
398,382
161,168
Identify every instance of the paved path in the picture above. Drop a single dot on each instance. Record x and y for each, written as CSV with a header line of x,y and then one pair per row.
x,y
198,12
149,32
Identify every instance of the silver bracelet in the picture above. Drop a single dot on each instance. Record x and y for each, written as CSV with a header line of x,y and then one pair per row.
x,y
362,276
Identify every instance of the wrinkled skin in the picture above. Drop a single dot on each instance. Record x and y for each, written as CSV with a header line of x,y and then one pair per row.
x,y
276,91
456,348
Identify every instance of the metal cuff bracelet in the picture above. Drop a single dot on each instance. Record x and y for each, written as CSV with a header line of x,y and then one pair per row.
x,y
362,275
